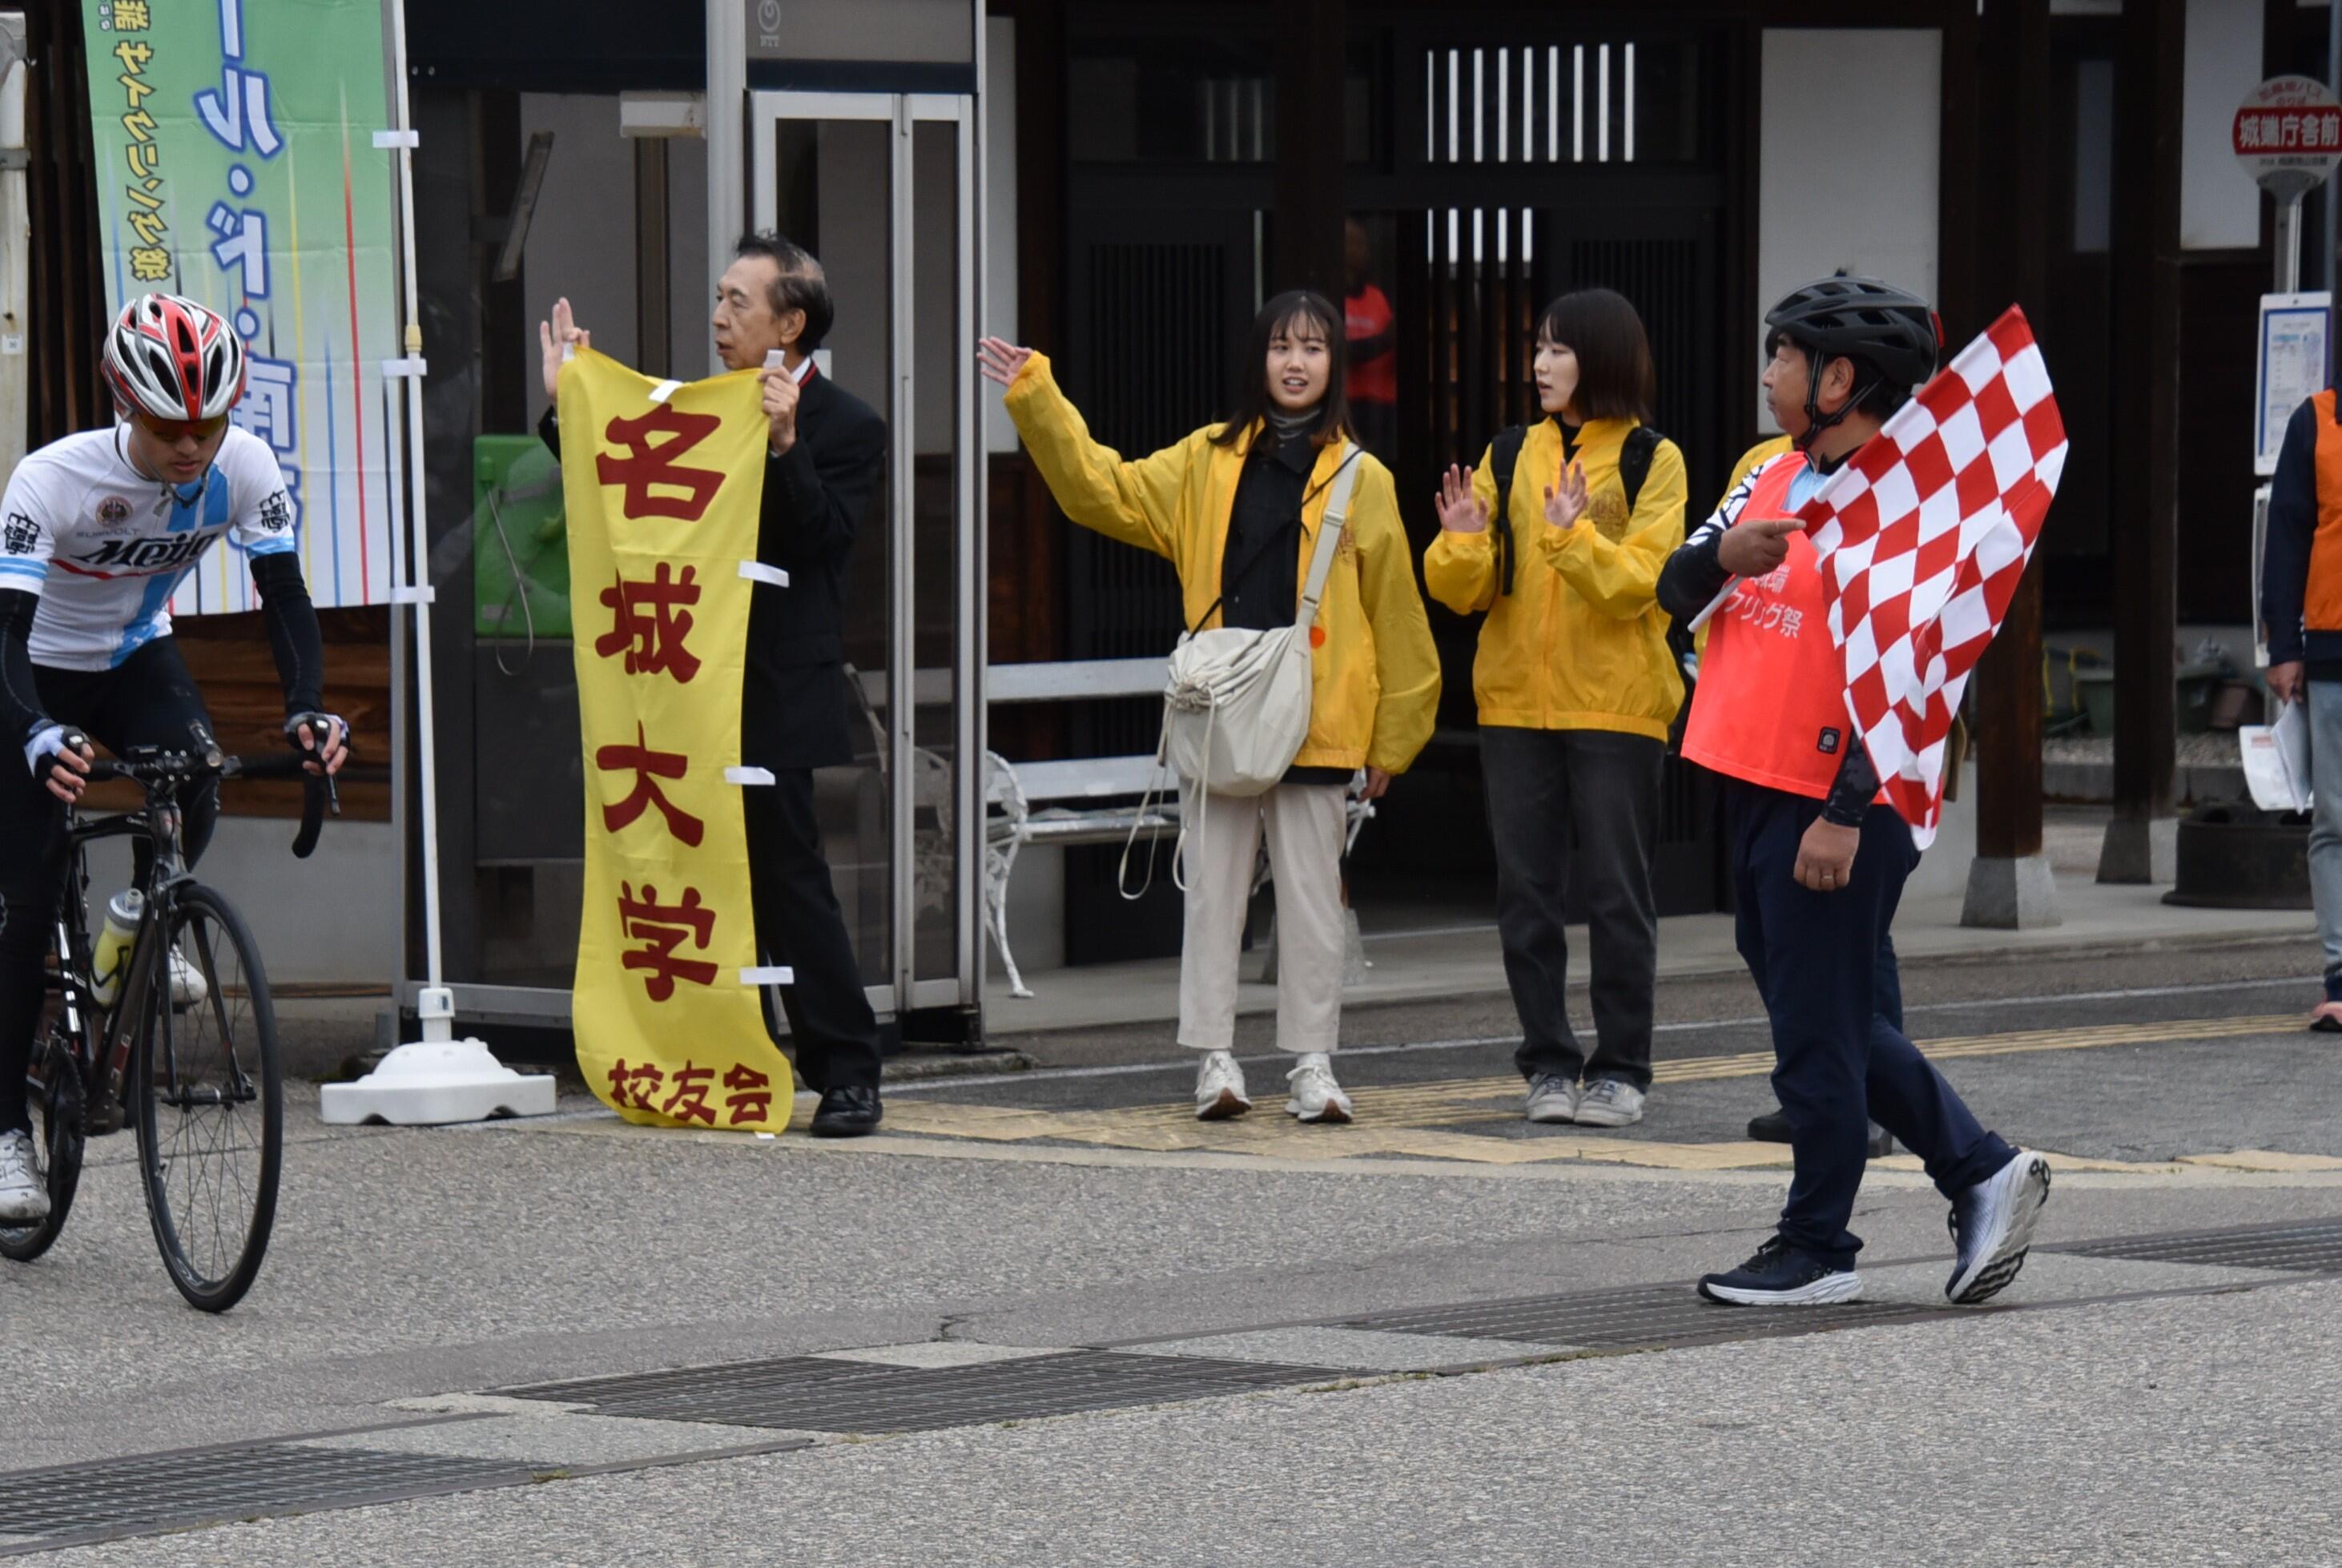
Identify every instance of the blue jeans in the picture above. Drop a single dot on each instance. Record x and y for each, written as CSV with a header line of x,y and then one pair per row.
x,y
1825,965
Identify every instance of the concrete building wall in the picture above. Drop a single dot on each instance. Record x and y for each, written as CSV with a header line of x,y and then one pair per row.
x,y
331,919
2219,205
1874,213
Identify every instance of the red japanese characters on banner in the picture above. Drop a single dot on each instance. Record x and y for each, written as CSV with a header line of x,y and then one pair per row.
x,y
662,511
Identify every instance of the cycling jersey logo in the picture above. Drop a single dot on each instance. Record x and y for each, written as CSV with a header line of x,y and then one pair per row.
x,y
141,555
275,515
112,512
18,534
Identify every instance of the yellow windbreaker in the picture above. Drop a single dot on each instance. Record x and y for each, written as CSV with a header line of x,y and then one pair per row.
x,y
1376,673
1580,642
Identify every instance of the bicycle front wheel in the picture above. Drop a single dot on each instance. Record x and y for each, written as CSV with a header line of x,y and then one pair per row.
x,y
207,1088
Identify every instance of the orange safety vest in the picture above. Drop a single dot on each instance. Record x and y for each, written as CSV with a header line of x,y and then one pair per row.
x,y
1770,705
2321,602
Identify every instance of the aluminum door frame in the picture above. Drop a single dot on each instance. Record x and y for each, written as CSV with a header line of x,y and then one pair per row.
x,y
905,111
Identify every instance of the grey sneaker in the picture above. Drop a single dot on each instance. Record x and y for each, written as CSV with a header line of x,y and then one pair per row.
x,y
1552,1098
1610,1103
23,1195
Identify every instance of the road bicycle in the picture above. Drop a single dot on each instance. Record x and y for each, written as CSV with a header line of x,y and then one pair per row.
x,y
178,1041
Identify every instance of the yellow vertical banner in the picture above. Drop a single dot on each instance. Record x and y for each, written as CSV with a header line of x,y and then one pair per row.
x,y
663,482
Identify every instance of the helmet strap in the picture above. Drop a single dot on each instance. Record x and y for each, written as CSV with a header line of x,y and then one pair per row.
x,y
1817,424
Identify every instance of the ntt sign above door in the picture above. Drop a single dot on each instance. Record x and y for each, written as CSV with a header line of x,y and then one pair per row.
x,y
895,45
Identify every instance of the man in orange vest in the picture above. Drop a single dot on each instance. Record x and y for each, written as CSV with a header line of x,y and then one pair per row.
x,y
2301,619
1818,860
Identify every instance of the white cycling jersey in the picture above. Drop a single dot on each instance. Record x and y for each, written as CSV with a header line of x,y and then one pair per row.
x,y
105,547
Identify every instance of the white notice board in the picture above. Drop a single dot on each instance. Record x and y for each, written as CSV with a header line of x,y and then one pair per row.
x,y
2288,369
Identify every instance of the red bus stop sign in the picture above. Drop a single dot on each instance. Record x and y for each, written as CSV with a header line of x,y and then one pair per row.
x,y
2288,134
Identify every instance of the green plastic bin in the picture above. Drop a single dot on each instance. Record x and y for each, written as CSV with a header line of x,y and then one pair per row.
x,y
520,539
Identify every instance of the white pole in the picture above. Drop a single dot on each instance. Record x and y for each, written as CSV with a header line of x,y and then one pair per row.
x,y
16,240
412,342
439,1078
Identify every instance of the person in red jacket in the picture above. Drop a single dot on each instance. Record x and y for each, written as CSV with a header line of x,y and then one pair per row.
x,y
1371,385
1818,861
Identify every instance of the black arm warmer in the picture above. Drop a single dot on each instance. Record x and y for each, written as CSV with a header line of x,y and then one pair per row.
x,y
1856,786
292,634
1693,576
20,700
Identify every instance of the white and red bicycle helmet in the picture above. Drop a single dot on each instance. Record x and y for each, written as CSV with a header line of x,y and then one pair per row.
x,y
171,357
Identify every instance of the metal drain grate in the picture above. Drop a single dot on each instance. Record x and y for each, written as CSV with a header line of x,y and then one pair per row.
x,y
813,1394
1661,1317
155,1491
2306,1246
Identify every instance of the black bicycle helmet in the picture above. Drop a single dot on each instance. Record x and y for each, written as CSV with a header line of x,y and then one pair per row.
x,y
1893,333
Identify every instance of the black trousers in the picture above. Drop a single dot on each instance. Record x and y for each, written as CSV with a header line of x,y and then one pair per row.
x,y
149,699
1598,791
799,923
1825,968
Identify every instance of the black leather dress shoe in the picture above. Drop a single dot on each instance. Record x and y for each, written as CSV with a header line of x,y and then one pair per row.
x,y
1773,1127
847,1112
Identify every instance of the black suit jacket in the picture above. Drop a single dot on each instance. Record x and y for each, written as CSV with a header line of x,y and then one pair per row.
x,y
796,708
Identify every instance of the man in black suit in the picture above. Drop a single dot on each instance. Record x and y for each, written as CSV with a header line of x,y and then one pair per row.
x,y
824,458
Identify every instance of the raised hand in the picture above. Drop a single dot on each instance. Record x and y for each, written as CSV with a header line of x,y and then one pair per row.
x,y
1564,504
781,391
1461,511
561,332
1000,359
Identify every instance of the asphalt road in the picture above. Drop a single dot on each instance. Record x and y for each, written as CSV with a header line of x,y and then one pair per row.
x,y
2175,1407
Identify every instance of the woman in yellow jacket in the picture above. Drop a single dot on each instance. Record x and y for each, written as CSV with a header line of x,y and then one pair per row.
x,y
1236,507
1576,691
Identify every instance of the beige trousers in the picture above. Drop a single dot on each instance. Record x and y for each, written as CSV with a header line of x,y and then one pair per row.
x,y
1305,825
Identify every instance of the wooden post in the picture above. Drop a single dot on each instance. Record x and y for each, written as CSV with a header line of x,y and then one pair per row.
x,y
2009,882
1306,249
2150,75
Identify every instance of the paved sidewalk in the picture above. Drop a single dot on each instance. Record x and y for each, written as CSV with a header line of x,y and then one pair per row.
x,y
1463,961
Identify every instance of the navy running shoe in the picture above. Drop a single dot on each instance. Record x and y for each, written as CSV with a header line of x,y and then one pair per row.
x,y
1782,1275
1992,1226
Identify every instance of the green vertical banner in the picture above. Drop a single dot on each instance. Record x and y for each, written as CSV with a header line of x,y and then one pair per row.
x,y
236,165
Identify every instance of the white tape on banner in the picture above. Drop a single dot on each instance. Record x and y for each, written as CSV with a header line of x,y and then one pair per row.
x,y
747,775
757,571
385,141
664,390
770,974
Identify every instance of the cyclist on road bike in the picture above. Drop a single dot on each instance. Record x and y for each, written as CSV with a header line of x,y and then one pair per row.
x,y
96,531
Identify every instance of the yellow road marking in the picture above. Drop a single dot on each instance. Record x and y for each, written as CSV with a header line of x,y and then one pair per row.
x,y
1407,1119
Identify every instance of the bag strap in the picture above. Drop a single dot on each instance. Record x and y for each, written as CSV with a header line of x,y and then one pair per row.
x,y
1329,537
1504,458
1635,461
1279,533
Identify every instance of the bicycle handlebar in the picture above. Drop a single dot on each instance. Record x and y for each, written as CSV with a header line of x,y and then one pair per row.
x,y
157,766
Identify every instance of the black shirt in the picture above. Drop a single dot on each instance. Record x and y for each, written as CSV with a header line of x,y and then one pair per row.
x,y
1260,566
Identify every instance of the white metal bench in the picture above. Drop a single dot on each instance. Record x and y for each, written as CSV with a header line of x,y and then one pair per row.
x,y
1081,800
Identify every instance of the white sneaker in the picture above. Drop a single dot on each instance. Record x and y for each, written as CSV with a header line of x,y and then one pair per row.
x,y
1316,1096
1219,1088
1610,1103
1552,1099
23,1195
188,984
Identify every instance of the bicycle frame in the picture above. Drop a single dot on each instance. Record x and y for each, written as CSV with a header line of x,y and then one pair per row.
x,y
105,1034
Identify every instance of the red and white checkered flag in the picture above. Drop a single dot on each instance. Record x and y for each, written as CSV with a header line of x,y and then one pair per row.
x,y
1922,537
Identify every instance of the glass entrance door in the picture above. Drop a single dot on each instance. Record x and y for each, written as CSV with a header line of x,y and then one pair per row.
x,y
882,188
